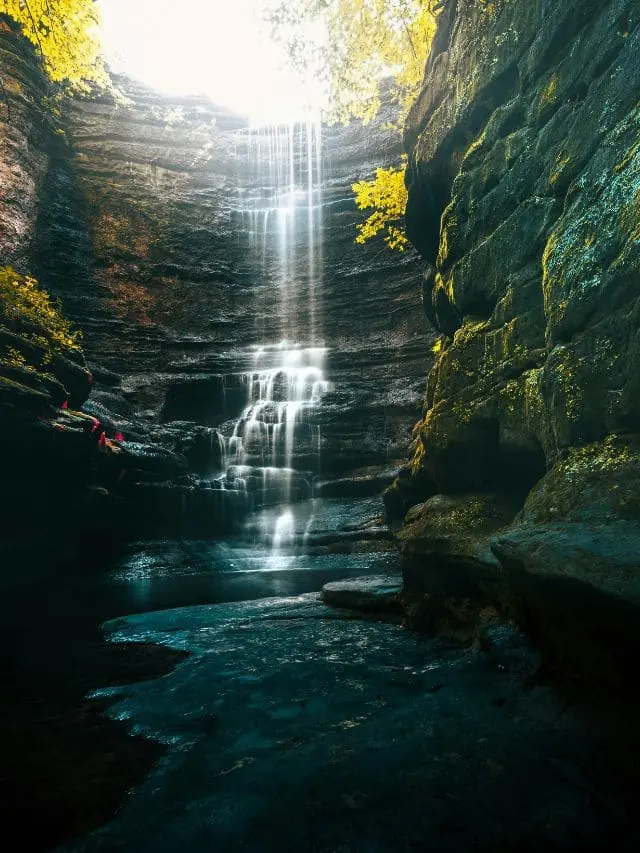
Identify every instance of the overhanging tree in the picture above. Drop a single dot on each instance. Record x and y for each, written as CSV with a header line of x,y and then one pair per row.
x,y
65,34
353,45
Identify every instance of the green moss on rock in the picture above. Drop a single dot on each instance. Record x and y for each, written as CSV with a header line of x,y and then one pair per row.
x,y
596,482
38,345
28,309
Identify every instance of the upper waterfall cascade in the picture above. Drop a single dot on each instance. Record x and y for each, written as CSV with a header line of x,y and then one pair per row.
x,y
281,211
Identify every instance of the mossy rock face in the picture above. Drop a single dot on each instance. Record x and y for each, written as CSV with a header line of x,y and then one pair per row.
x,y
458,525
594,484
408,488
453,586
52,453
22,397
524,199
582,520
571,559
37,342
38,381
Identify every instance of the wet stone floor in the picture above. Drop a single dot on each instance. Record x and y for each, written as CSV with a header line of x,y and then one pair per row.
x,y
255,718
291,726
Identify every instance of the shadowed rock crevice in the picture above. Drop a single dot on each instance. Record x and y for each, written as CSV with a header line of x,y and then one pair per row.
x,y
430,185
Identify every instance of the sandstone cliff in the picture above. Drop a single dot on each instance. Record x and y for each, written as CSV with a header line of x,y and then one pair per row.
x,y
524,182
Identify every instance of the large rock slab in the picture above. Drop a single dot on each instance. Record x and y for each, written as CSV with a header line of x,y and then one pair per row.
x,y
572,561
606,556
371,594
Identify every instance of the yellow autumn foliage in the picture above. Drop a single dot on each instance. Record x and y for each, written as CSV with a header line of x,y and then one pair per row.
x,y
387,195
354,44
65,33
28,310
363,43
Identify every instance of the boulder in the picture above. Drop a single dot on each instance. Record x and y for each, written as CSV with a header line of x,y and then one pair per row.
x,y
371,594
456,525
572,561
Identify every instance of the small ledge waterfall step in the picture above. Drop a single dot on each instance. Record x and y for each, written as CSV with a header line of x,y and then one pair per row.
x,y
273,454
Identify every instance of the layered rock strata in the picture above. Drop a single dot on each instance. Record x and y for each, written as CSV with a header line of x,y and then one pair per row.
x,y
177,296
524,180
137,216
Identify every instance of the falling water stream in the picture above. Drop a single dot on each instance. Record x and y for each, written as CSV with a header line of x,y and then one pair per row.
x,y
282,220
273,451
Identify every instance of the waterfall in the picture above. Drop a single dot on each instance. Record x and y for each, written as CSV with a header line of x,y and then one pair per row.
x,y
285,383
279,173
273,450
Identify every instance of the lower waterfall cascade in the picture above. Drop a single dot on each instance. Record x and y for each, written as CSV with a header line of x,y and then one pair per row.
x,y
273,452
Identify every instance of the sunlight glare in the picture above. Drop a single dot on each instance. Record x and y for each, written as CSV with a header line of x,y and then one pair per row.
x,y
218,48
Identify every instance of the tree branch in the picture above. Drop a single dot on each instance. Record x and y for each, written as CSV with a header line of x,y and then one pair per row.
x,y
35,28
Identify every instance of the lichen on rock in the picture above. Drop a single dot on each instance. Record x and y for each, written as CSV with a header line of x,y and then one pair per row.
x,y
524,201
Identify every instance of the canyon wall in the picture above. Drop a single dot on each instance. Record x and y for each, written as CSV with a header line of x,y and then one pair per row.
x,y
144,218
173,291
50,453
524,188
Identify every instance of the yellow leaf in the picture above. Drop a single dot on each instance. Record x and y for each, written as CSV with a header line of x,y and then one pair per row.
x,y
387,195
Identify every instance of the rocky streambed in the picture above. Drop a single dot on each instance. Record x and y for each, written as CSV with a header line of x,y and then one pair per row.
x,y
291,725
234,708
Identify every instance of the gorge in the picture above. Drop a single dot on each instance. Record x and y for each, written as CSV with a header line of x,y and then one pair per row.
x,y
314,545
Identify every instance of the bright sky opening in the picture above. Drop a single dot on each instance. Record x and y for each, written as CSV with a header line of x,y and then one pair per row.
x,y
218,48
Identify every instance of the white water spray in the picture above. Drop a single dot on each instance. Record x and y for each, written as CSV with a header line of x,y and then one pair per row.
x,y
284,386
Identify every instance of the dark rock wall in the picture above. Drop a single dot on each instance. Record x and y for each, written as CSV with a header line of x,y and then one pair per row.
x,y
137,215
146,239
531,234
27,129
524,188
38,439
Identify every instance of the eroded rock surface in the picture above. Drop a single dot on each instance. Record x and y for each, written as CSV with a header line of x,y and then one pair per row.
x,y
523,180
153,236
371,594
